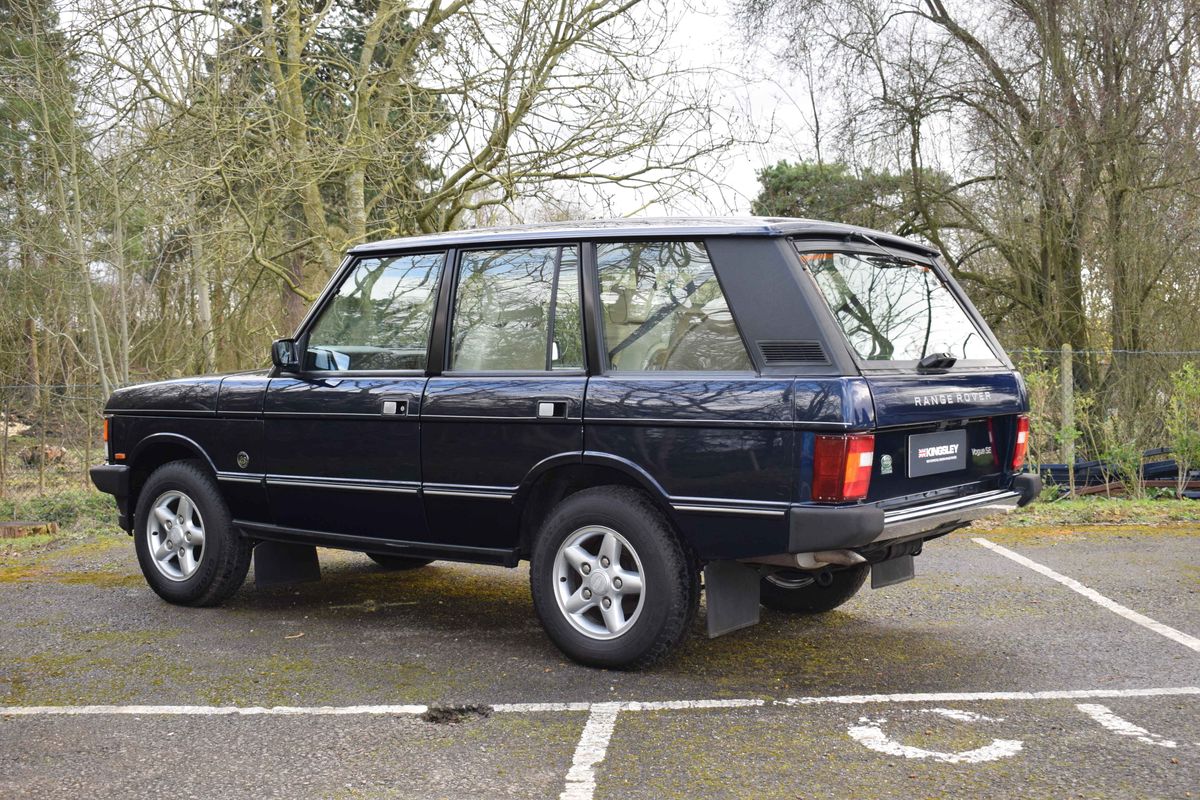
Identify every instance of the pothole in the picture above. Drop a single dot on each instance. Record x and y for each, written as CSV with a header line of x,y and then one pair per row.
x,y
453,715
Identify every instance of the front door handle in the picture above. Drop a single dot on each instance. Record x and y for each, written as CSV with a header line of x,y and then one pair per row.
x,y
552,409
398,408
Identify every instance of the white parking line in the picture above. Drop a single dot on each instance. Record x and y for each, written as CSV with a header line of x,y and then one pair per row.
x,y
1141,619
631,705
593,744
1123,727
206,711
966,697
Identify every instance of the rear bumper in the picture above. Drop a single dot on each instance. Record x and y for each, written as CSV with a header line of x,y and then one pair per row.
x,y
947,514
812,529
114,479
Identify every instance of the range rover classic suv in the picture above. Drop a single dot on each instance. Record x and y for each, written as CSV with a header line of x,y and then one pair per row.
x,y
786,407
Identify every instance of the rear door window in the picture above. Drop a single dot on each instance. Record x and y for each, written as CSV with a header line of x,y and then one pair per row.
x,y
517,310
663,310
893,309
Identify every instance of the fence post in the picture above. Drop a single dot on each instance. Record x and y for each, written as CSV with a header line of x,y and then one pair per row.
x,y
1067,383
4,450
87,446
43,419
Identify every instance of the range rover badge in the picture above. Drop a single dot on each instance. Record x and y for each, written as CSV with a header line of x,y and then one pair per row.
x,y
243,459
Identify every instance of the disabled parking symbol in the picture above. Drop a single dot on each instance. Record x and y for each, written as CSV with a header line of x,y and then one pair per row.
x,y
869,733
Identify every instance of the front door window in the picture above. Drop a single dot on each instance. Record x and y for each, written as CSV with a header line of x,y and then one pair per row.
x,y
380,318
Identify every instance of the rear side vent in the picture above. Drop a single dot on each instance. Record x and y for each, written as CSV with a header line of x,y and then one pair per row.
x,y
775,353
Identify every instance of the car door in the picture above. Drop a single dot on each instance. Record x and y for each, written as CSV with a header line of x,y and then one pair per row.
x,y
510,399
343,435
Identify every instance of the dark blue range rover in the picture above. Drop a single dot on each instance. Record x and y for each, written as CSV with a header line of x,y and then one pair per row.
x,y
787,406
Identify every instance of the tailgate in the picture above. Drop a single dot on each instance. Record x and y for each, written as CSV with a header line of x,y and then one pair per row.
x,y
939,433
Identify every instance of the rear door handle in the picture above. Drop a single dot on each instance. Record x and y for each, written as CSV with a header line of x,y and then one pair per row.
x,y
552,409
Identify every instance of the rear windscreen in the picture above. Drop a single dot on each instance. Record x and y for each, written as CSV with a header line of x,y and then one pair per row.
x,y
892,309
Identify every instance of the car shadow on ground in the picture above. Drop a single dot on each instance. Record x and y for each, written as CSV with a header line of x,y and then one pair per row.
x,y
844,649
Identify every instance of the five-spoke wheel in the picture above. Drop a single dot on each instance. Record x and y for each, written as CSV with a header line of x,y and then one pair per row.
x,y
612,584
186,544
175,531
598,582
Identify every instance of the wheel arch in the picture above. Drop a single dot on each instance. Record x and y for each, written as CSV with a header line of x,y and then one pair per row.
x,y
156,450
558,477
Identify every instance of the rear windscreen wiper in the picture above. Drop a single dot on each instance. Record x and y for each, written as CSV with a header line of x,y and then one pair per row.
x,y
936,362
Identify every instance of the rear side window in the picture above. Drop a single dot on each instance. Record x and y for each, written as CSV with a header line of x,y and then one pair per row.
x,y
663,309
517,310
892,309
380,317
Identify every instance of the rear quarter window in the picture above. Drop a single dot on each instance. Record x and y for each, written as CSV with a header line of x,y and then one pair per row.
x,y
663,310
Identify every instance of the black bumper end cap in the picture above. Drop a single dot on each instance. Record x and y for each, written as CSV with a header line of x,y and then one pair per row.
x,y
1030,487
812,528
111,479
114,479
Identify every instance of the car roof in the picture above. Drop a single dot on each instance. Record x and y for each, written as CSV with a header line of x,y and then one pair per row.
x,y
641,227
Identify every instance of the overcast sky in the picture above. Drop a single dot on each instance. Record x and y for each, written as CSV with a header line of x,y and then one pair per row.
x,y
754,90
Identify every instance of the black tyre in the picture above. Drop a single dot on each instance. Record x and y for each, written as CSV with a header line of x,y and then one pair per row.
x,y
612,584
805,593
185,541
399,562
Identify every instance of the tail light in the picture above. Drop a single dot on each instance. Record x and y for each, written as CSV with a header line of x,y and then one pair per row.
x,y
1022,445
105,430
842,467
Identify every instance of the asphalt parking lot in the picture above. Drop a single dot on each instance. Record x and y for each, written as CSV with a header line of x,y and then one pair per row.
x,y
993,674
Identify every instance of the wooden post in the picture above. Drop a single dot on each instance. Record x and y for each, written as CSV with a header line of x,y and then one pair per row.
x,y
41,445
4,450
87,446
1066,376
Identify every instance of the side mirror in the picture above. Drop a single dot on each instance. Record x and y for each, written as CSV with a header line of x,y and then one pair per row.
x,y
285,355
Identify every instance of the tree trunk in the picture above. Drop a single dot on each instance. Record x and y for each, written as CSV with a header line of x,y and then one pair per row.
x,y
202,289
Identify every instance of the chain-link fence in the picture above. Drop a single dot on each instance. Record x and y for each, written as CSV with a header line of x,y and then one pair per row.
x,y
49,436
1091,405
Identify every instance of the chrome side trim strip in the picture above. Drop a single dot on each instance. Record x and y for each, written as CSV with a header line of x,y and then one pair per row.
x,y
333,415
737,502
464,493
240,477
472,487
479,418
747,512
707,423
357,486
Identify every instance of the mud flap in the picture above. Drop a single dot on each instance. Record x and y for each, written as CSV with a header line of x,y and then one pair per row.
x,y
731,594
890,572
277,564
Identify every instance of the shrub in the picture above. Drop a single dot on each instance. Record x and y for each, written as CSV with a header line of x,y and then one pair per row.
x,y
1183,421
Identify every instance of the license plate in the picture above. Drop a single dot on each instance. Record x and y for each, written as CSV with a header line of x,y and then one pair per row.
x,y
934,453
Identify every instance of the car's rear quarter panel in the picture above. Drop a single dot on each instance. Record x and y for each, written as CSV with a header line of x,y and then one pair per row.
x,y
723,443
